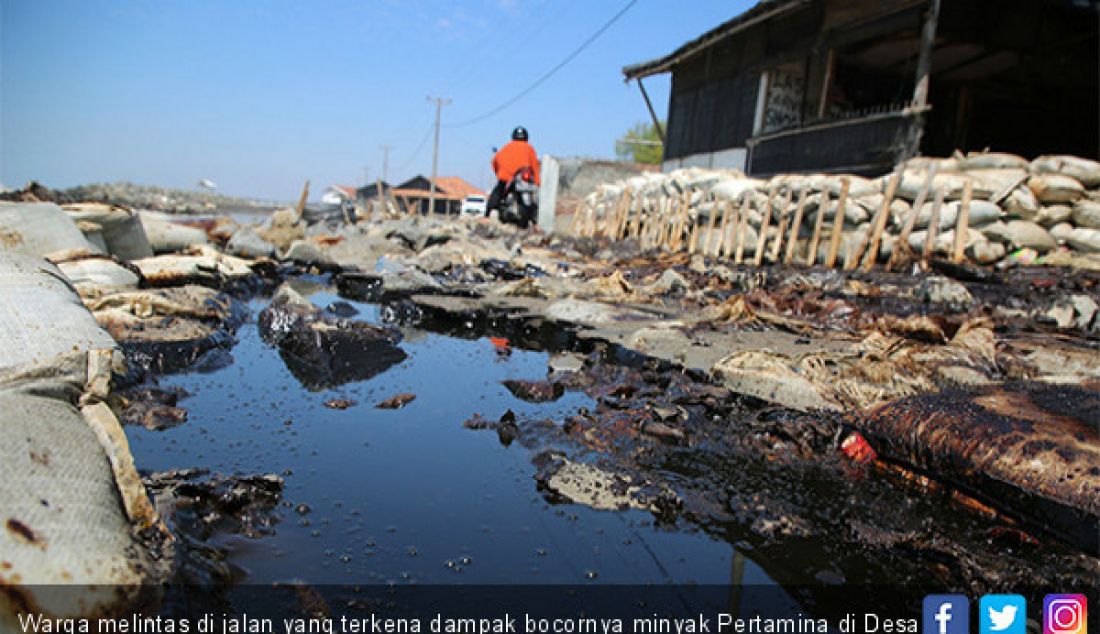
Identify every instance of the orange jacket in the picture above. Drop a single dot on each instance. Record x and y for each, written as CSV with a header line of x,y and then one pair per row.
x,y
514,156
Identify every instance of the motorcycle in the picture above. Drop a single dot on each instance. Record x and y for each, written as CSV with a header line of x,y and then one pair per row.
x,y
520,203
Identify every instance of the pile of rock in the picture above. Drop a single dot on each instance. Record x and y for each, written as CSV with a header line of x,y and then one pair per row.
x,y
1020,211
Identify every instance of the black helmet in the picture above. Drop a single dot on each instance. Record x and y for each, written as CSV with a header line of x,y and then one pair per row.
x,y
519,134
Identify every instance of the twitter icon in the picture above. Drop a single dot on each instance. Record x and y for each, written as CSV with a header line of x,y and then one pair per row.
x,y
1002,614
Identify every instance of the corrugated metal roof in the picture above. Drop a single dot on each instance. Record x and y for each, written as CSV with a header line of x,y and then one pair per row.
x,y
762,11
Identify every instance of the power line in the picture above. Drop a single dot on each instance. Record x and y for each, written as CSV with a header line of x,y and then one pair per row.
x,y
551,72
420,146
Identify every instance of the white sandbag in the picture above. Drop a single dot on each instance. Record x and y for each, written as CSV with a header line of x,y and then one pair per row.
x,y
1021,203
123,234
1083,239
44,326
733,188
66,520
1061,232
1020,234
1086,213
41,229
92,275
992,160
1053,214
1086,171
166,236
854,214
1055,188
985,252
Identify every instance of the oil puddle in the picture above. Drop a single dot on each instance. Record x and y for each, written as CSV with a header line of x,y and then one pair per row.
x,y
409,495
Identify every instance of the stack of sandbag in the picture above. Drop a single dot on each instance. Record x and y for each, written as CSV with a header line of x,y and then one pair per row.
x,y
115,230
1047,205
166,236
71,500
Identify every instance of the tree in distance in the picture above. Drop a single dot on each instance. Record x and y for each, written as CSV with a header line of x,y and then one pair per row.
x,y
640,144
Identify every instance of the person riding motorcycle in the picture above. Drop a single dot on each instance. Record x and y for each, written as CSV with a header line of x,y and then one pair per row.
x,y
512,158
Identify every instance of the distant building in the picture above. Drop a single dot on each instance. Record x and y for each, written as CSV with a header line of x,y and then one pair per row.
x,y
858,85
337,194
414,194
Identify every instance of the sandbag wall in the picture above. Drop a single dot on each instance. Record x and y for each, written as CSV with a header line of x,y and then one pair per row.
x,y
1016,210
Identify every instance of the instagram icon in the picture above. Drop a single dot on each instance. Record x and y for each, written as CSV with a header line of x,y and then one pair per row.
x,y
1065,614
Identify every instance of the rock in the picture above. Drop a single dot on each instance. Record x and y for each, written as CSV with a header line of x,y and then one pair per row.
x,y
596,488
565,363
282,228
1086,213
397,401
670,282
962,376
339,403
1055,188
152,408
941,290
534,391
1086,240
1075,311
246,243
322,351
305,252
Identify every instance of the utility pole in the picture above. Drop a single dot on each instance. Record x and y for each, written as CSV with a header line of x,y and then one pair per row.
x,y
386,162
439,103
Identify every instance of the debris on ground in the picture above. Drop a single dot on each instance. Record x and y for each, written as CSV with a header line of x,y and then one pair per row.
x,y
397,401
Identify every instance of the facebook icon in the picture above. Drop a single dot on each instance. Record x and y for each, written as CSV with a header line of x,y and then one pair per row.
x,y
945,614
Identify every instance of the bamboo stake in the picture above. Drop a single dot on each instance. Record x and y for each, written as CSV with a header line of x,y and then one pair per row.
x,y
574,225
796,224
742,222
728,236
933,225
819,222
681,220
636,222
922,196
693,244
838,223
784,218
716,247
962,225
871,256
710,228
762,239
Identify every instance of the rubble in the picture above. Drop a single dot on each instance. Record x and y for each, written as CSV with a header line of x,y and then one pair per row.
x,y
323,351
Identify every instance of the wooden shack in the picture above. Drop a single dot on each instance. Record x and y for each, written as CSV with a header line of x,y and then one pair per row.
x,y
858,85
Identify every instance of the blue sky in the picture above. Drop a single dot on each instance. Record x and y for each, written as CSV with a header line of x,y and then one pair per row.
x,y
259,96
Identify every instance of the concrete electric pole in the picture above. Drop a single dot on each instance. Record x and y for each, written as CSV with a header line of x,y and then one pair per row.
x,y
439,103
386,162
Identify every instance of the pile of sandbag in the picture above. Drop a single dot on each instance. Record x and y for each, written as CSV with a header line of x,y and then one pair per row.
x,y
1019,209
71,500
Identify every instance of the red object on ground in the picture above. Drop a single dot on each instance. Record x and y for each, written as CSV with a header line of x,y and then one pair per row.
x,y
856,447
501,344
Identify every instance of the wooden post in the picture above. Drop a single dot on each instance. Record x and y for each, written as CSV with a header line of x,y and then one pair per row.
x,y
302,201
933,226
796,224
922,196
721,249
962,225
819,222
742,222
693,245
729,235
838,223
784,218
880,224
765,220
924,57
711,221
381,200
